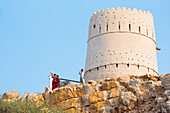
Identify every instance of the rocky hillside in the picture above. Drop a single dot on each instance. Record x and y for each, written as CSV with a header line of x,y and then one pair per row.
x,y
133,94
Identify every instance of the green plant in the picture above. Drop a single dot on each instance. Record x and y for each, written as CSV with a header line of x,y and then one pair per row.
x,y
26,107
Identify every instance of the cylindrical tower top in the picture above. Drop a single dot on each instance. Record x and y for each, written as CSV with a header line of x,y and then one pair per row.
x,y
120,20
121,42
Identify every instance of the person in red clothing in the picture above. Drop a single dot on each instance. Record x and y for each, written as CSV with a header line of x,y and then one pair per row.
x,y
58,82
54,81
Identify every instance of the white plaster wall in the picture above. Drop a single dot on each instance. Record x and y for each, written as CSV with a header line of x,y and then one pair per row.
x,y
121,36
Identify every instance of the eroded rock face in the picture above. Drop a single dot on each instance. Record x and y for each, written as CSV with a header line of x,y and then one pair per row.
x,y
10,95
166,82
132,94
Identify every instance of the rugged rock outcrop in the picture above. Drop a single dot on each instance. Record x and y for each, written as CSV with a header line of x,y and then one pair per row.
x,y
135,94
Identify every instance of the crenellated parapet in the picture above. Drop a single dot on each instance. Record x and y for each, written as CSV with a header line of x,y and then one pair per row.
x,y
122,20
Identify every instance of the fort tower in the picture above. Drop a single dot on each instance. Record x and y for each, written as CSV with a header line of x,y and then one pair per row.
x,y
120,42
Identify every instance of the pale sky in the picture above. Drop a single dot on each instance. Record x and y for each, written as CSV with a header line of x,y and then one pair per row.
x,y
40,36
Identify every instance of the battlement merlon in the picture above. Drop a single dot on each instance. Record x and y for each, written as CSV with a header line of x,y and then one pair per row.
x,y
123,9
127,20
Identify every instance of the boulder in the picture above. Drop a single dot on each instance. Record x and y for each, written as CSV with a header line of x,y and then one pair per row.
x,y
35,97
72,85
154,78
114,102
69,103
60,94
147,85
166,82
83,90
10,95
109,85
134,85
11,100
24,97
115,92
161,76
168,105
168,74
167,93
106,109
128,99
97,106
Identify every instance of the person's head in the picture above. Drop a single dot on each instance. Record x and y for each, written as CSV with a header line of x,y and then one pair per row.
x,y
55,75
51,73
81,70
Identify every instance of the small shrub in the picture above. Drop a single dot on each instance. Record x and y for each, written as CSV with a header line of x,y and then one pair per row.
x,y
26,107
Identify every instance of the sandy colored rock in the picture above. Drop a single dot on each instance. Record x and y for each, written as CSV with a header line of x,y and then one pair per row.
x,y
168,74
97,106
35,97
44,94
167,93
144,78
115,91
147,85
83,90
154,78
107,109
60,94
109,85
103,95
72,85
24,97
114,102
10,94
166,82
89,99
134,85
71,110
69,103
128,99
161,76
11,100
168,105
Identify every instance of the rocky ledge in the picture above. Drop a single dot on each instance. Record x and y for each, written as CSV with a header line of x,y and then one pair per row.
x,y
132,94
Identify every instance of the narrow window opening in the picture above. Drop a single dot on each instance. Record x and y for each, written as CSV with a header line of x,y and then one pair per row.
x,y
116,65
127,65
147,31
138,66
119,27
107,28
148,69
94,26
105,66
139,29
99,29
129,27
97,68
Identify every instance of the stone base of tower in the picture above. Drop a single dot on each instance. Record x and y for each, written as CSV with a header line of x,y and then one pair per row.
x,y
106,71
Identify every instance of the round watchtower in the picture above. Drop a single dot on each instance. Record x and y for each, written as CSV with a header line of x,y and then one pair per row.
x,y
120,42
